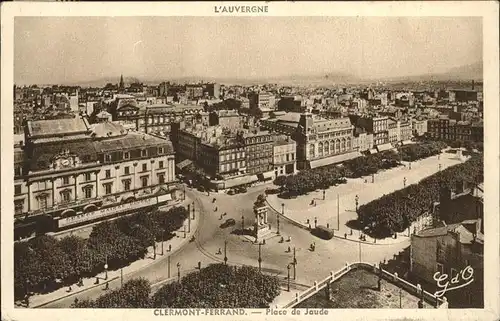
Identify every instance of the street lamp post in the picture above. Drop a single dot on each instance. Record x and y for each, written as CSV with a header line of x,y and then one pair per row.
x,y
409,165
189,223
283,209
315,222
439,166
294,265
242,222
357,201
404,182
106,271
121,277
193,212
324,195
260,258
338,213
162,241
225,252
168,266
278,220
373,178
288,268
179,272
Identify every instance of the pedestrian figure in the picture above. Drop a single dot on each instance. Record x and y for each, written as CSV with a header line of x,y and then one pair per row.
x,y
366,180
282,240
70,289
351,231
215,210
264,241
224,214
107,286
170,247
220,217
345,235
312,202
96,280
289,250
213,201
327,225
220,251
307,221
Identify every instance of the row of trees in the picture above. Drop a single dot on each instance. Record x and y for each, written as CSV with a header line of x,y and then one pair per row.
x,y
216,286
395,212
45,263
413,152
323,177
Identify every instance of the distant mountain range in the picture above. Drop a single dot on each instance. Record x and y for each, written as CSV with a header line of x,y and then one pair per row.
x,y
463,73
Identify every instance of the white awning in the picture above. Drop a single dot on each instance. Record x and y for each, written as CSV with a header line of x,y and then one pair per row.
x,y
383,147
334,159
373,151
240,181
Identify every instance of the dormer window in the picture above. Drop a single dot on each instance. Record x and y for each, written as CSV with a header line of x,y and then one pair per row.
x,y
126,155
161,150
144,152
108,157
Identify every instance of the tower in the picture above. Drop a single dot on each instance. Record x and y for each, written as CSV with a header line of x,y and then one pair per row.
x,y
121,82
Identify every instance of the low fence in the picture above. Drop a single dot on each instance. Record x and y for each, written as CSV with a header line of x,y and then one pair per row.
x,y
302,226
440,303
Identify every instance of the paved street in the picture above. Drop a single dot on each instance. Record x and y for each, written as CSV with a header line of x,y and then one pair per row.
x,y
329,255
300,209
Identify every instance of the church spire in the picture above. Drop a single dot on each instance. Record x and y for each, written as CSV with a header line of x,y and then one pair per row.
x,y
121,82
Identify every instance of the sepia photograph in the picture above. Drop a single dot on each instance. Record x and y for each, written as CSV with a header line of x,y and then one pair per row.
x,y
208,165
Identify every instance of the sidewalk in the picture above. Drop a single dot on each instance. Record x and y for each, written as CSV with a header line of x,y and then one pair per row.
x,y
176,242
312,206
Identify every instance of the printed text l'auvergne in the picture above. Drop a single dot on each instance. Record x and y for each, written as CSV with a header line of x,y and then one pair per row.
x,y
241,9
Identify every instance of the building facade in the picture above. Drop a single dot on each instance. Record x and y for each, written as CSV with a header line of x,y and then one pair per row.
x,y
450,129
72,170
322,141
284,158
259,151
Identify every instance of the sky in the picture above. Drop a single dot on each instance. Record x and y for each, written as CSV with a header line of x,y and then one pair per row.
x,y
57,50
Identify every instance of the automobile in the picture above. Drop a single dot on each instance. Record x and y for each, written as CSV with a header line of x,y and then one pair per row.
x,y
229,222
231,192
241,189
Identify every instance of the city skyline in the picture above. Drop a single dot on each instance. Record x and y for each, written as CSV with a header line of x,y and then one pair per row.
x,y
72,50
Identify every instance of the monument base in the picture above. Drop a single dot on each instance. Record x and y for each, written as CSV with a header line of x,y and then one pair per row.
x,y
260,232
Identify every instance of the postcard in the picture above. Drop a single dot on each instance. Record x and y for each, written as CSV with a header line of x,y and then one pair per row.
x,y
253,160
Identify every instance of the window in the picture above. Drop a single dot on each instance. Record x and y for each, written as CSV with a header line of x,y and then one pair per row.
x,y
88,191
439,268
42,201
144,181
126,185
161,150
65,196
126,155
108,173
107,188
160,164
65,180
108,158
144,167
88,176
17,189
126,170
161,178
18,207
144,153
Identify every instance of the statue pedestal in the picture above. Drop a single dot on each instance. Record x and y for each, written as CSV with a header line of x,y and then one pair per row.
x,y
261,231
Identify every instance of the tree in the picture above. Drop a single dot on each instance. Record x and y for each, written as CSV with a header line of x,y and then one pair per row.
x,y
75,249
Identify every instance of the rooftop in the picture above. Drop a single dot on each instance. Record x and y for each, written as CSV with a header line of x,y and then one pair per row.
x,y
57,126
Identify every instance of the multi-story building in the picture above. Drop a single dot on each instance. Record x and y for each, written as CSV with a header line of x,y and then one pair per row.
x,y
454,243
217,151
323,141
450,129
158,119
393,130
259,151
225,118
194,91
405,131
362,140
378,126
262,101
74,173
284,159
419,127
212,90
